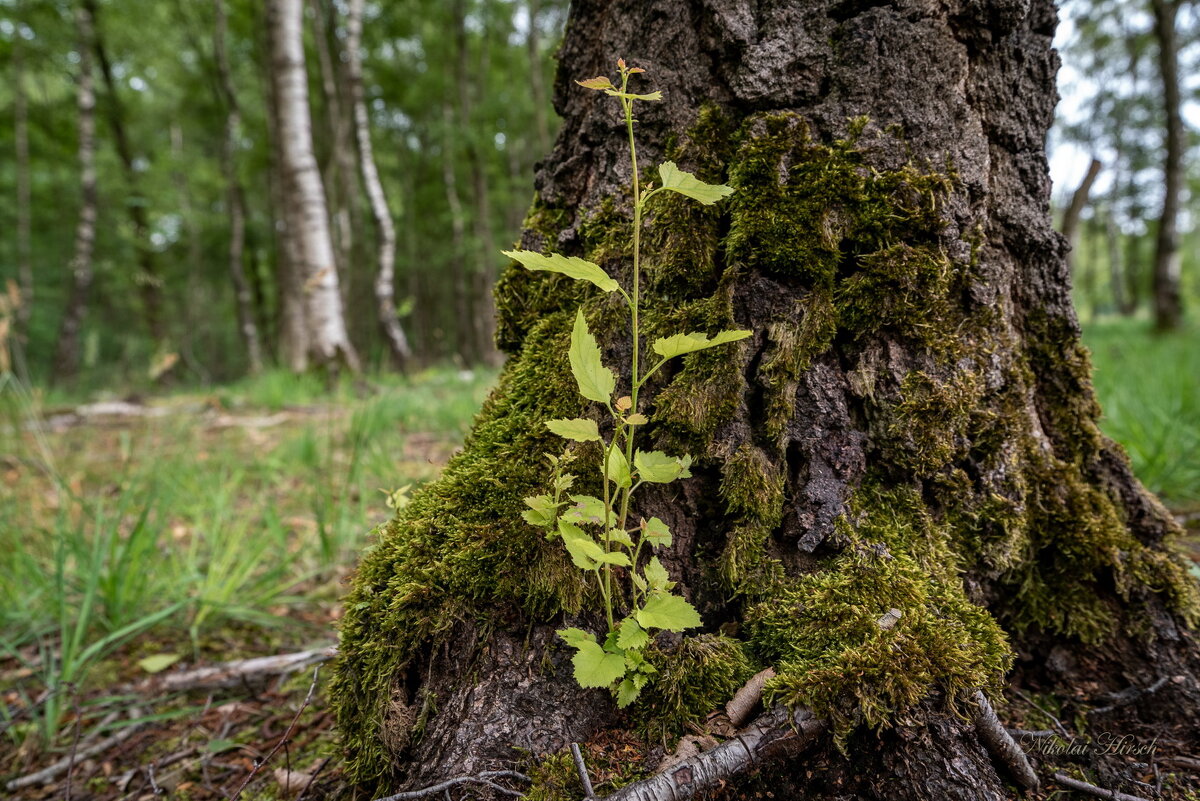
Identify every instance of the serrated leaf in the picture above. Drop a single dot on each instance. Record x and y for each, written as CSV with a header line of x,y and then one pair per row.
x,y
676,180
679,344
620,536
631,636
575,428
599,82
570,266
595,667
614,92
637,419
596,382
158,662
586,510
585,552
657,534
575,637
541,510
670,612
656,575
616,468
658,468
627,693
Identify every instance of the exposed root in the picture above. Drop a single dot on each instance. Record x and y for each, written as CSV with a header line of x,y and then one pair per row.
x,y
1001,745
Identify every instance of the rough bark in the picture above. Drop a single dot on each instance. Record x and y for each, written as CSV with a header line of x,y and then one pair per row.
x,y
1168,303
385,278
149,279
235,200
1074,210
328,342
67,349
911,425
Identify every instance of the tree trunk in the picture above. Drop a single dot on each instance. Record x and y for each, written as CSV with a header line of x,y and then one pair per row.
x,y
537,83
67,349
24,193
1116,270
385,279
1168,304
910,428
149,281
460,274
1074,210
235,199
328,342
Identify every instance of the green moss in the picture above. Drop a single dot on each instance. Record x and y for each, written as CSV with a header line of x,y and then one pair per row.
x,y
752,493
611,766
694,678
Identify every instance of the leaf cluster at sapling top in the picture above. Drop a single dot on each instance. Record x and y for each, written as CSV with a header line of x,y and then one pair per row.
x,y
599,534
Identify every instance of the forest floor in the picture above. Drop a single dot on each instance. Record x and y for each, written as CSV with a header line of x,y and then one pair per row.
x,y
143,538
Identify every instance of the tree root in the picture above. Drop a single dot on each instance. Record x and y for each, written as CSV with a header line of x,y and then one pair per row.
x,y
1001,745
484,778
1091,789
231,674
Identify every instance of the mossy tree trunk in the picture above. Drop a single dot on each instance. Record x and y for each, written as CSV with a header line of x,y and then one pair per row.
x,y
911,426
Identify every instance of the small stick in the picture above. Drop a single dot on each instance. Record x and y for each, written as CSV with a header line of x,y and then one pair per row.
x,y
231,674
74,740
1091,789
313,778
482,778
52,771
1001,745
744,700
1128,696
287,735
588,792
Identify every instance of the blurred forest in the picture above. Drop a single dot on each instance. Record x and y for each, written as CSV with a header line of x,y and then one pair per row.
x,y
156,226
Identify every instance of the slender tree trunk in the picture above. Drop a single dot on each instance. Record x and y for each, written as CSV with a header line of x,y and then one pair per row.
x,y
24,192
195,291
67,350
460,274
1074,210
1116,271
149,280
910,427
291,323
328,340
385,279
1168,303
235,205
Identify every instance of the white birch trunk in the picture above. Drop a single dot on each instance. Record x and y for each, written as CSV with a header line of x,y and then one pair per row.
x,y
385,301
328,340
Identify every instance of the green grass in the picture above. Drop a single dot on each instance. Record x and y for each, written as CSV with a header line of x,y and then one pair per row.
x,y
1149,389
223,526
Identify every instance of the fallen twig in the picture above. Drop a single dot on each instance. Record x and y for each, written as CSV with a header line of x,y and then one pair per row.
x,y
52,771
287,735
774,728
581,766
1001,745
744,700
231,674
484,778
1128,696
1091,789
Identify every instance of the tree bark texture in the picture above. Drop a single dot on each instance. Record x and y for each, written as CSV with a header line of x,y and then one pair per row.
x,y
1168,303
70,332
235,200
385,278
910,427
328,341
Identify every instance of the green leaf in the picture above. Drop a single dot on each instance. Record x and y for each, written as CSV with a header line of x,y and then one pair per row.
x,y
575,637
540,512
576,428
620,536
158,662
221,746
627,693
658,468
685,183
596,382
679,344
657,534
615,558
584,551
616,468
656,575
595,667
631,636
599,82
586,510
570,266
657,95
670,612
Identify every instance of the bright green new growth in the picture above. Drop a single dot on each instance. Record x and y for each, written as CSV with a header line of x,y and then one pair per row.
x,y
619,661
